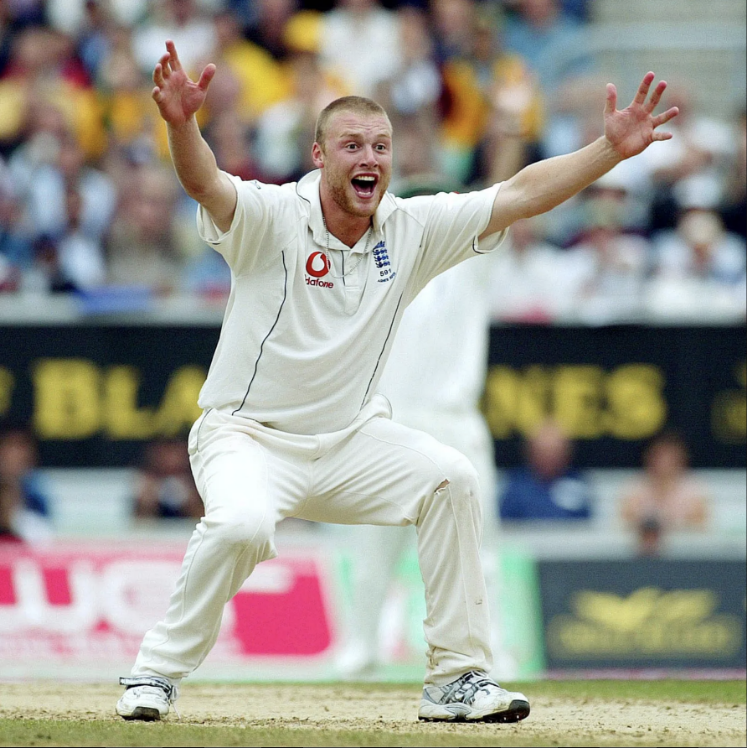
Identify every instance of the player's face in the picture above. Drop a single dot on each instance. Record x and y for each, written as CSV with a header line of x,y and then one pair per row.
x,y
356,161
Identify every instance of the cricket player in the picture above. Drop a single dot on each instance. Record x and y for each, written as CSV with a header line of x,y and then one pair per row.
x,y
293,426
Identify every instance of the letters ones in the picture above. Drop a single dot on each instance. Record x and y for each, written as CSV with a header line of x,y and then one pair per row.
x,y
587,401
729,410
77,399
6,389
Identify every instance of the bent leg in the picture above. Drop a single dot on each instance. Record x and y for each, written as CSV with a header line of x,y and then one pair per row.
x,y
243,503
387,474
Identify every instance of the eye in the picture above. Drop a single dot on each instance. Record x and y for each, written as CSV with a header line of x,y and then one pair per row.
x,y
351,146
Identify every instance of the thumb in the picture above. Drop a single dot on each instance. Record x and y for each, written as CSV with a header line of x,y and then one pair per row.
x,y
611,103
207,75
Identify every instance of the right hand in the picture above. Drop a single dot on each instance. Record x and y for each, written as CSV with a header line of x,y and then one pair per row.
x,y
178,97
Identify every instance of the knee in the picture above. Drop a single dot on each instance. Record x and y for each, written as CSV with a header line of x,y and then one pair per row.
x,y
242,529
460,477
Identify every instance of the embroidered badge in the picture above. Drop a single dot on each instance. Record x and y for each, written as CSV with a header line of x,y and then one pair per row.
x,y
383,264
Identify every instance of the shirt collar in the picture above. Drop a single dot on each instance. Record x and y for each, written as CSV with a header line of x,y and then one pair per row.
x,y
308,189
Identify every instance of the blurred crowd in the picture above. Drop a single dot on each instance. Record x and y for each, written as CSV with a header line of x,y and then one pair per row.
x,y
89,201
664,496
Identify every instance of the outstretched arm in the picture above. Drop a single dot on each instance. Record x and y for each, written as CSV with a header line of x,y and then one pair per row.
x,y
178,100
542,186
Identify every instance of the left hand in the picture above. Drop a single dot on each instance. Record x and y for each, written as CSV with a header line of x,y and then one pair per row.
x,y
630,131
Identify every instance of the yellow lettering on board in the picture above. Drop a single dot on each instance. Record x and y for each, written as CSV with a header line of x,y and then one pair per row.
x,y
636,405
123,418
67,398
179,409
578,400
6,389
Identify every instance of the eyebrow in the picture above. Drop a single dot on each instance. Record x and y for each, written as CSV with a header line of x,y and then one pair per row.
x,y
351,134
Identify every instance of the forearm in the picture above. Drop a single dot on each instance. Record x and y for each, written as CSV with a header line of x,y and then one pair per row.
x,y
194,161
199,174
546,184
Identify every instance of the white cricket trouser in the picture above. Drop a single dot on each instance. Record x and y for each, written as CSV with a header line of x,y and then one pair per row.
x,y
373,472
377,550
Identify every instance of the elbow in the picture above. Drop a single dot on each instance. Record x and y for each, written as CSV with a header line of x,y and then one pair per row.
x,y
197,192
513,204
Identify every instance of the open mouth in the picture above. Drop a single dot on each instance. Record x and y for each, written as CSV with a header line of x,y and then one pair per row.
x,y
364,186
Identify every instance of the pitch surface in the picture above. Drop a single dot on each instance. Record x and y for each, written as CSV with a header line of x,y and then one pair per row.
x,y
606,713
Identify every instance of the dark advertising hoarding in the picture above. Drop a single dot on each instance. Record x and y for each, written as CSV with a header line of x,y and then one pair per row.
x,y
94,394
642,614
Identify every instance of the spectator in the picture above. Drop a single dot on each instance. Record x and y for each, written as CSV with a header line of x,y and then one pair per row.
x,y
547,487
414,90
734,202
46,275
165,487
650,538
696,160
608,265
270,25
43,69
143,247
16,252
94,37
527,279
24,503
555,46
261,80
8,512
480,77
285,131
699,269
185,23
48,180
135,131
361,44
666,493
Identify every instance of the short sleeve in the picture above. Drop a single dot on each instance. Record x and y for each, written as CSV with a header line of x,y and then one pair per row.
x,y
453,223
253,236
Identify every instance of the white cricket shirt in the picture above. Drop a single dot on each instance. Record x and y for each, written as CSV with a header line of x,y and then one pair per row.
x,y
308,327
439,358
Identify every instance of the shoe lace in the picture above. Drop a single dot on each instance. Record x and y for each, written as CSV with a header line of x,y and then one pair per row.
x,y
465,689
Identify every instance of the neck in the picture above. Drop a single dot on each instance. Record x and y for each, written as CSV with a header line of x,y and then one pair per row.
x,y
346,227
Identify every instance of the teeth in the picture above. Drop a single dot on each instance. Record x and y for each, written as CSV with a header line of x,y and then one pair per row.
x,y
366,179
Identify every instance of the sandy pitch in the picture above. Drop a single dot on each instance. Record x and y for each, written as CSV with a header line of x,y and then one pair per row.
x,y
337,707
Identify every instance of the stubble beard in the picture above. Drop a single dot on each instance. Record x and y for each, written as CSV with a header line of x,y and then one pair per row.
x,y
338,190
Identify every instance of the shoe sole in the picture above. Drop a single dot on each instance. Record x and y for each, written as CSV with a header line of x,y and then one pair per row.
x,y
144,714
517,710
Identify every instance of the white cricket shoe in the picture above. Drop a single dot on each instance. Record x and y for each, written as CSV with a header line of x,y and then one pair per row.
x,y
147,698
474,698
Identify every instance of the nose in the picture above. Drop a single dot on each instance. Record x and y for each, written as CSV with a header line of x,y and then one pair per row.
x,y
368,155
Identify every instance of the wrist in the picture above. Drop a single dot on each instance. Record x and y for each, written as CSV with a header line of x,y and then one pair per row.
x,y
608,152
185,127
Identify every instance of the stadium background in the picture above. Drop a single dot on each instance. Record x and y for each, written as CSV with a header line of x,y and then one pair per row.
x,y
110,307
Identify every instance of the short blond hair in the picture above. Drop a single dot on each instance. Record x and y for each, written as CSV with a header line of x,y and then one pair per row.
x,y
355,104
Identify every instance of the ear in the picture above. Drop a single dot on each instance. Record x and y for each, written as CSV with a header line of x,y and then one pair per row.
x,y
317,156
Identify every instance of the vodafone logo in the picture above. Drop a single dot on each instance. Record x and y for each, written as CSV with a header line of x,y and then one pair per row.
x,y
317,266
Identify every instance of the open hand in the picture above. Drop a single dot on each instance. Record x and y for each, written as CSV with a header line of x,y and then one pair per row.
x,y
177,96
631,130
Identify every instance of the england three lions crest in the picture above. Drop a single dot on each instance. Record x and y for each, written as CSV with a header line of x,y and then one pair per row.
x,y
383,264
